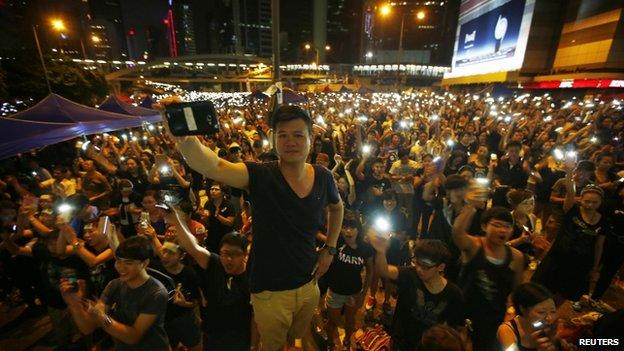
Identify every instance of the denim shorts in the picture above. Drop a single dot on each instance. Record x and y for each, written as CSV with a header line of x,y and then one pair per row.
x,y
334,300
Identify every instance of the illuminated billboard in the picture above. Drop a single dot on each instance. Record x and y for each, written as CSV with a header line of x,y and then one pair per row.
x,y
491,36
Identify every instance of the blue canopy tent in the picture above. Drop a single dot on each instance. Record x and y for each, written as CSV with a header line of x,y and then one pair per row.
x,y
113,104
289,96
344,89
54,120
259,95
365,90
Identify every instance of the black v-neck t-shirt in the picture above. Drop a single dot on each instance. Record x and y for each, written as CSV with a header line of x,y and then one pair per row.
x,y
283,254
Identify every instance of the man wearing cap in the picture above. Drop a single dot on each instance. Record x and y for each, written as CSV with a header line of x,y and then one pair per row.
x,y
289,197
425,297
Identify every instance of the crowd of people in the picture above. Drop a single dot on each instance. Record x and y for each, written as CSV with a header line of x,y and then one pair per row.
x,y
434,210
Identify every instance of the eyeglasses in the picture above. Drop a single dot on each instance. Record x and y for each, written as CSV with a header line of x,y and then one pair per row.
x,y
230,254
422,264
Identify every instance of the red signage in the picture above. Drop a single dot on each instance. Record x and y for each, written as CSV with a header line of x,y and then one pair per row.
x,y
575,84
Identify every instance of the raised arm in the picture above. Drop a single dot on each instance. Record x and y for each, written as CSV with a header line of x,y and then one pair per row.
x,y
205,161
359,171
466,243
568,201
381,263
187,240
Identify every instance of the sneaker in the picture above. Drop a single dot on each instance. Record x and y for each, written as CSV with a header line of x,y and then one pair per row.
x,y
371,302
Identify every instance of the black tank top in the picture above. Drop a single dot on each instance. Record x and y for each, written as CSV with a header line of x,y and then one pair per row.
x,y
486,286
514,327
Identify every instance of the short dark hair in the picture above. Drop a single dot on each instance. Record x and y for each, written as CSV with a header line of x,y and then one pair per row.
x,y
78,201
513,144
403,152
389,194
135,248
441,338
586,165
287,113
455,181
602,155
434,250
234,239
378,160
528,295
497,212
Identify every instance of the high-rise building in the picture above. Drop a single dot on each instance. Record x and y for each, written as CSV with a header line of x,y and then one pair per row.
x,y
181,16
428,31
344,22
296,21
106,36
254,32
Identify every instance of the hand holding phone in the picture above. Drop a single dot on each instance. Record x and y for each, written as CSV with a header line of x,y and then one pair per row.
x,y
192,118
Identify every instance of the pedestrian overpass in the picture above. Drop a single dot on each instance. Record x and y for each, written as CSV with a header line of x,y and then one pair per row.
x,y
243,70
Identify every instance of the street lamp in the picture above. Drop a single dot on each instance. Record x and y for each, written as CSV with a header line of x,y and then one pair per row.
x,y
386,10
58,25
307,47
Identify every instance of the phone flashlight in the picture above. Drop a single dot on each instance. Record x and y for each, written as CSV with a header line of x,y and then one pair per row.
x,y
558,154
538,325
493,157
482,181
64,208
382,225
366,149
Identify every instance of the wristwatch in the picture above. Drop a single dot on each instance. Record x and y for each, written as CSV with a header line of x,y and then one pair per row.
x,y
331,250
107,321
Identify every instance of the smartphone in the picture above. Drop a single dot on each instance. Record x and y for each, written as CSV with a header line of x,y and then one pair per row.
x,y
192,118
71,278
103,224
538,325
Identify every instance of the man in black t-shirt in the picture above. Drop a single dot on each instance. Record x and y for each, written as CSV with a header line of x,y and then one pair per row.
x,y
374,185
512,170
227,317
289,198
425,297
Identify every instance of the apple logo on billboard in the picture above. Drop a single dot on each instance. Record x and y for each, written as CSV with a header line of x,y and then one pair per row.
x,y
499,32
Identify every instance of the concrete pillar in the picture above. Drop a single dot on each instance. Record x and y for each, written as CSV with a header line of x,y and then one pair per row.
x,y
319,29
